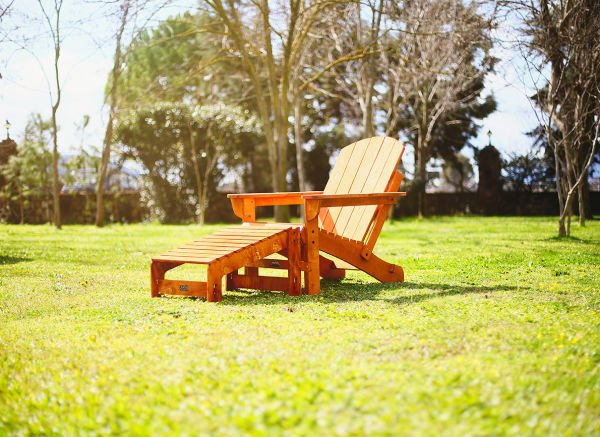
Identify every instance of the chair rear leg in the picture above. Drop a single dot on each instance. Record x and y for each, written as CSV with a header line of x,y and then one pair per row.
x,y
369,263
329,270
382,270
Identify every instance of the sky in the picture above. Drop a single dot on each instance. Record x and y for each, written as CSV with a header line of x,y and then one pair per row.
x,y
85,63
86,60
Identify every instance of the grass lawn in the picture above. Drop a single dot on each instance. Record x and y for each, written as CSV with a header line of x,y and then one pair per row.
x,y
495,331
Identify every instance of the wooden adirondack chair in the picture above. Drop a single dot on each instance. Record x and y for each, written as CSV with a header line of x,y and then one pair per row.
x,y
344,221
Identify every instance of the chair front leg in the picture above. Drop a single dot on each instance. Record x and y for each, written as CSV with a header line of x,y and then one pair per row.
x,y
312,280
293,255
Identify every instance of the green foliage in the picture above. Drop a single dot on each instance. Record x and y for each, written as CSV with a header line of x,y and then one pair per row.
x,y
28,173
177,61
462,125
220,124
528,172
495,332
176,83
160,137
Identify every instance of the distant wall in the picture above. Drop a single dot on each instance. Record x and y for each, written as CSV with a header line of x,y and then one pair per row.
x,y
127,208
123,207
507,203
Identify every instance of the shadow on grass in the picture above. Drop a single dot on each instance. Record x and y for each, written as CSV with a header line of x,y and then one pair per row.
x,y
444,290
557,239
332,291
7,259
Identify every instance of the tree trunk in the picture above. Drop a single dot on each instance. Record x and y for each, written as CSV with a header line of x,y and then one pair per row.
x,y
569,216
55,157
108,135
211,163
282,212
587,200
202,207
390,216
55,181
562,230
420,166
585,209
370,67
299,149
298,141
102,172
197,177
581,204
48,212
564,221
201,215
54,28
369,128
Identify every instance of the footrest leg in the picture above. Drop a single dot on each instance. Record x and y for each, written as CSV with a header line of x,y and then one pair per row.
x,y
214,292
157,274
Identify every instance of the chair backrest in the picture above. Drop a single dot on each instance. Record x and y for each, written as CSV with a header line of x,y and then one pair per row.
x,y
367,166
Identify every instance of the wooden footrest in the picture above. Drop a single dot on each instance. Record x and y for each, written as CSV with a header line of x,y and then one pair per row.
x,y
225,252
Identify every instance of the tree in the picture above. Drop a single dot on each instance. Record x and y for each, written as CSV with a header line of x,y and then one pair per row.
x,y
318,59
181,147
115,73
128,11
81,170
156,137
420,77
564,35
178,60
442,58
52,18
353,49
527,172
270,42
216,132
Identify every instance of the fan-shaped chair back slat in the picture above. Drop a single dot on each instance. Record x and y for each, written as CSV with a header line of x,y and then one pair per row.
x,y
366,166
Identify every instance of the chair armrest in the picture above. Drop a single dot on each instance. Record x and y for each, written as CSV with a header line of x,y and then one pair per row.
x,y
314,202
244,205
269,199
325,200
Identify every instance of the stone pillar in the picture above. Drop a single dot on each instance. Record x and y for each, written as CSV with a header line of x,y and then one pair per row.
x,y
489,192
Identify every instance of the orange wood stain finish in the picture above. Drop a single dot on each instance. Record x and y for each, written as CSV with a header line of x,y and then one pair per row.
x,y
344,221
